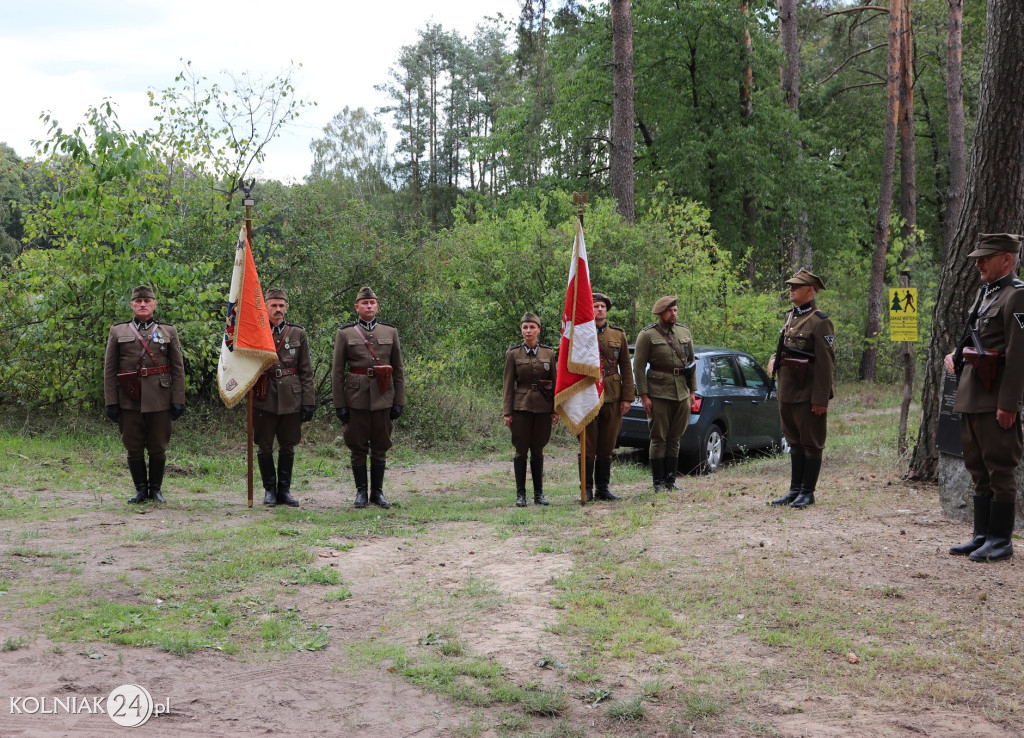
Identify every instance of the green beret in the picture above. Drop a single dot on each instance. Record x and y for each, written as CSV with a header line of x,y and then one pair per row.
x,y
805,276
664,303
996,243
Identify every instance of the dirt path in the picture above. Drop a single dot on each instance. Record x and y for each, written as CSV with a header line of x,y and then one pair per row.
x,y
879,533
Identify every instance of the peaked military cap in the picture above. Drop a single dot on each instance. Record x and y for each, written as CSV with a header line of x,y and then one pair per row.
x,y
996,243
366,294
529,317
805,276
664,303
599,297
142,291
276,293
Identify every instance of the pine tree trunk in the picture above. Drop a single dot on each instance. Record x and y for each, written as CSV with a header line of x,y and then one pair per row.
x,y
955,115
621,159
993,203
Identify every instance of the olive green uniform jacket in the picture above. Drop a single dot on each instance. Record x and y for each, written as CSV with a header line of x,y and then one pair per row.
x,y
358,391
159,391
810,330
617,372
287,394
520,390
665,379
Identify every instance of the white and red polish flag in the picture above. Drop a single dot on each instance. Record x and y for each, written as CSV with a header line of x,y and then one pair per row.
x,y
578,386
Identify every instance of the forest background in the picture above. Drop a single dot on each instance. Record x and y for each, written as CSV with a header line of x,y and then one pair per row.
x,y
751,156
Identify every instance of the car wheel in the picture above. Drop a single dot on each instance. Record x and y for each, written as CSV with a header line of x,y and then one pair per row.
x,y
711,451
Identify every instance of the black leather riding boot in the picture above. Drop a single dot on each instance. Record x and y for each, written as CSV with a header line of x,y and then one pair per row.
x,y
982,507
285,463
589,469
999,538
537,473
156,478
519,467
671,463
658,474
812,468
796,477
602,479
137,467
377,484
359,475
268,475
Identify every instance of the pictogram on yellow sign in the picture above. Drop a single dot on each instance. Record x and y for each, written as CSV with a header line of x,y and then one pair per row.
x,y
903,313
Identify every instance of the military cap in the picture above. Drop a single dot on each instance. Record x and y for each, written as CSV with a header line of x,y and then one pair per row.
x,y
996,243
805,276
366,294
529,317
598,297
276,293
664,303
142,291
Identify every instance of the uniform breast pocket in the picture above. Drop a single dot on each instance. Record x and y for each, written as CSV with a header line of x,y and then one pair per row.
x,y
125,339
658,342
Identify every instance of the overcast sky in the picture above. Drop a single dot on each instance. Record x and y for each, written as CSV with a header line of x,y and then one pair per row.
x,y
61,56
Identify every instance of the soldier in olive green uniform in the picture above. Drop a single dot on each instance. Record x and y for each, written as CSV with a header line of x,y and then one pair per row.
x,y
990,395
617,375
804,363
367,353
529,405
664,371
151,348
283,400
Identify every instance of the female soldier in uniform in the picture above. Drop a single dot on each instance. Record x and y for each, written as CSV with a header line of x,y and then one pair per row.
x,y
529,405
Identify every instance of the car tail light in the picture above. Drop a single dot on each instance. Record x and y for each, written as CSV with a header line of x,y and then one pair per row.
x,y
695,404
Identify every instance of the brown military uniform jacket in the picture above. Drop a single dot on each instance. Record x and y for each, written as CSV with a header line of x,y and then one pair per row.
x,y
522,373
616,370
810,330
287,394
159,391
358,391
1000,326
665,378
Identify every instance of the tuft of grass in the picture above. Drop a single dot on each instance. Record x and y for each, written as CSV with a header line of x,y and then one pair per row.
x,y
13,644
627,711
699,707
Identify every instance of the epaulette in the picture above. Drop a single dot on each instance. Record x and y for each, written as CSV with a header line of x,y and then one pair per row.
x,y
123,322
294,325
514,346
347,325
820,314
616,328
544,345
162,322
648,327
389,325
1017,284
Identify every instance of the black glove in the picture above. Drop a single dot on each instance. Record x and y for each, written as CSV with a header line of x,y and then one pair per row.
x,y
177,410
114,412
342,413
396,410
307,413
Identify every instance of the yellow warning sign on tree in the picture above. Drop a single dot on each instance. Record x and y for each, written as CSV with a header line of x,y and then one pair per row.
x,y
903,313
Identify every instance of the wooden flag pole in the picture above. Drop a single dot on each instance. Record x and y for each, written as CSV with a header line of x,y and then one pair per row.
x,y
249,202
580,198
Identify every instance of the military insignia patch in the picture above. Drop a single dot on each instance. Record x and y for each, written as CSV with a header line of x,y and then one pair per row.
x,y
547,366
1019,317
830,340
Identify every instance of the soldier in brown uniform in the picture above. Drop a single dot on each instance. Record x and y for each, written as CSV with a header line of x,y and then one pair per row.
x,y
804,360
664,370
283,400
990,395
369,392
148,394
617,374
529,405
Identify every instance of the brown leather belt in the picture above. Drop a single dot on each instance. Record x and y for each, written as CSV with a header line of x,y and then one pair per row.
x,y
147,370
675,371
365,372
282,372
609,374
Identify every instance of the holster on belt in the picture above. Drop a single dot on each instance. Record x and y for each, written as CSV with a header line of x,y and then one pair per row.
x,y
131,384
985,365
799,367
546,387
259,391
382,373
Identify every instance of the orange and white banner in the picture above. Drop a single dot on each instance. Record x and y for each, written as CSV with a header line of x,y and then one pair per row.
x,y
248,346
